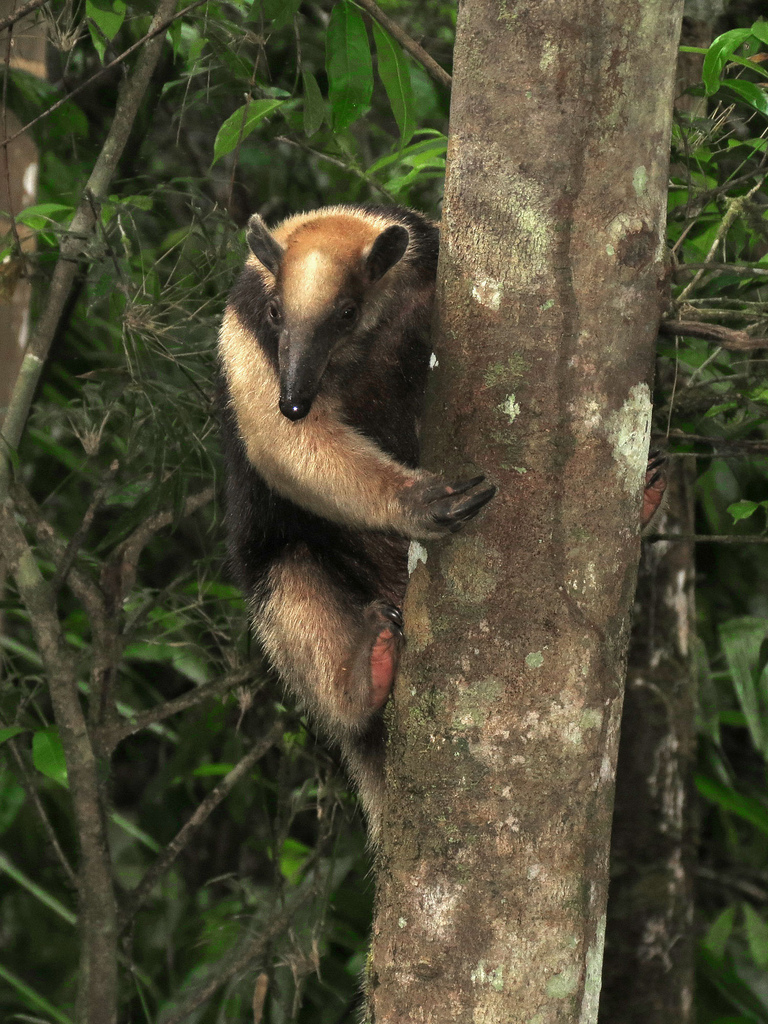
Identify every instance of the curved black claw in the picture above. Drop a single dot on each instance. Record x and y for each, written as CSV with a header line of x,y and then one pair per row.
x,y
394,615
455,515
655,459
442,490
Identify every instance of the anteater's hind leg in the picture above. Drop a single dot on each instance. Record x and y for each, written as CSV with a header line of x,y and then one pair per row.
x,y
339,657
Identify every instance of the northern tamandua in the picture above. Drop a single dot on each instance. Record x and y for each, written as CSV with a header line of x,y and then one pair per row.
x,y
324,350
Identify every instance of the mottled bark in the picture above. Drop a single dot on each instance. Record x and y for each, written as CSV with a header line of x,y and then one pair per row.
x,y
18,189
649,959
494,860
22,47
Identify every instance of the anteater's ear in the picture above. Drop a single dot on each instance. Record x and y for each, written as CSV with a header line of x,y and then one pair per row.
x,y
388,248
263,245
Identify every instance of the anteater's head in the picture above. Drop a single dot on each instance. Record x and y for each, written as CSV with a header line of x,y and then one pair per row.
x,y
324,291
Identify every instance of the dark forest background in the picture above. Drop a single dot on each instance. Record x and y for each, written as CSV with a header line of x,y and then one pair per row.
x,y
238,855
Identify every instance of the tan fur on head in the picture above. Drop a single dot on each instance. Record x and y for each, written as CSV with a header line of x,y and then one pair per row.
x,y
299,460
334,236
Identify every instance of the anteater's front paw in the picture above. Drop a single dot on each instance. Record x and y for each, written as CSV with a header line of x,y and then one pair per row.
x,y
440,508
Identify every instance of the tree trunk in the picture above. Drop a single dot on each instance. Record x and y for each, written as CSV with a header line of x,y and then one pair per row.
x,y
493,866
23,49
649,963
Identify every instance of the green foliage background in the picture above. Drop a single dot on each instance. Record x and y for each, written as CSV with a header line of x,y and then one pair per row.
x,y
276,107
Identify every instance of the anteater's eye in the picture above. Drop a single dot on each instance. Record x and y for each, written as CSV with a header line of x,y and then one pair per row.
x,y
273,312
348,314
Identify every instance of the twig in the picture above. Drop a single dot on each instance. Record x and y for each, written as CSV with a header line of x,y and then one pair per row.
x,y
337,163
81,227
45,821
259,995
182,838
84,588
723,268
110,737
78,537
119,574
705,538
734,341
735,208
745,447
250,950
20,12
754,892
701,200
418,53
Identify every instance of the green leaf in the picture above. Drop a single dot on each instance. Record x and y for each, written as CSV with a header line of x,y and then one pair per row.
x,y
757,936
718,55
279,12
9,732
719,932
349,66
43,215
204,770
742,509
133,830
293,856
759,30
715,410
395,74
45,897
314,107
104,21
33,998
744,807
741,640
48,755
432,147
108,15
750,93
239,125
719,972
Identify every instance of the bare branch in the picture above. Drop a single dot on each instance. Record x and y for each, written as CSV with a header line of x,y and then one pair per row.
x,y
110,737
120,572
724,445
79,536
418,53
734,341
98,911
199,817
722,268
19,13
86,589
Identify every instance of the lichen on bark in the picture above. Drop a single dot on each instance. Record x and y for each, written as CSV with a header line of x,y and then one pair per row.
x,y
505,721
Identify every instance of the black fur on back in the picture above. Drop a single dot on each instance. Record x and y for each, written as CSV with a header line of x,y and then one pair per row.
x,y
380,397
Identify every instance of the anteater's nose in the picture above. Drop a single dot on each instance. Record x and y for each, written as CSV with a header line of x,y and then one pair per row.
x,y
295,409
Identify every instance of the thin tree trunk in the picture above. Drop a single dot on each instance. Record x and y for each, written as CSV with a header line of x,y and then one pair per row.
x,y
493,867
650,943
